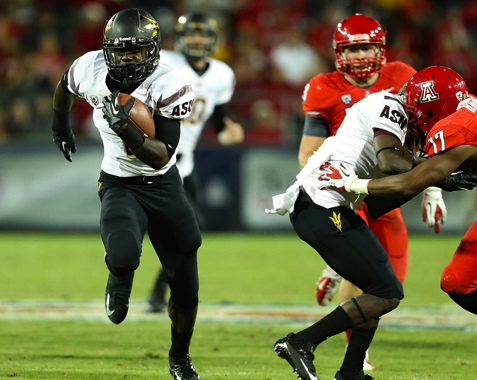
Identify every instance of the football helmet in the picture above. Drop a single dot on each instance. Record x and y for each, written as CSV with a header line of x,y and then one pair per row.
x,y
136,30
196,23
359,29
432,94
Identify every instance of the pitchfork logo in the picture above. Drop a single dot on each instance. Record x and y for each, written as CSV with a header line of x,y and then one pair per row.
x,y
336,219
428,93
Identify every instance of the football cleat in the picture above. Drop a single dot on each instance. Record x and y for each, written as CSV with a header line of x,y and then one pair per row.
x,y
298,355
118,290
367,365
182,368
326,288
360,376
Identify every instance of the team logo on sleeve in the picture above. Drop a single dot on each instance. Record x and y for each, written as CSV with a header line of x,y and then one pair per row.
x,y
346,99
428,94
94,100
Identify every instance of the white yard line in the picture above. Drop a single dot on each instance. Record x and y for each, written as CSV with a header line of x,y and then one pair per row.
x,y
444,317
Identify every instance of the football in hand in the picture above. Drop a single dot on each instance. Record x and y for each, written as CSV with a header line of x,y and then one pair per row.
x,y
140,116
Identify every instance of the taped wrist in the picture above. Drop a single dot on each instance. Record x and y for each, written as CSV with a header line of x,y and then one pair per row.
x,y
61,123
359,186
131,137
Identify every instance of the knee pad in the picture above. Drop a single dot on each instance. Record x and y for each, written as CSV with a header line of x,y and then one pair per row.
x,y
123,251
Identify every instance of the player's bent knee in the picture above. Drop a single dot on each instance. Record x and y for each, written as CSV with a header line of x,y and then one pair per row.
x,y
449,281
123,251
392,303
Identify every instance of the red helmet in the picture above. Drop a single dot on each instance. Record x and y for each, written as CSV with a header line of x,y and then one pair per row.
x,y
359,29
432,94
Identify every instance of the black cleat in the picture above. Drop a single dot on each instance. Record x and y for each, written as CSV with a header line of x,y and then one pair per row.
x,y
360,376
298,355
182,368
118,290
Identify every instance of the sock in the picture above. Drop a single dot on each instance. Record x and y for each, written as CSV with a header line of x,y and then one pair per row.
x,y
180,343
358,344
331,324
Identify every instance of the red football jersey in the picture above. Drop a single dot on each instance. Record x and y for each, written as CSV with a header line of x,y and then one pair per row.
x,y
460,128
329,95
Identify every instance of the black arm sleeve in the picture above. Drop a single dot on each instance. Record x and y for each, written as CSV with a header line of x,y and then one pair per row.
x,y
220,112
64,82
315,126
168,131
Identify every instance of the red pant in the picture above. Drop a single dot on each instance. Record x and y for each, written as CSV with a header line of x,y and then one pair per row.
x,y
460,275
392,233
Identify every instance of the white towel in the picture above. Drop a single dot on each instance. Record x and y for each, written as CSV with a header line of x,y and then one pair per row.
x,y
285,202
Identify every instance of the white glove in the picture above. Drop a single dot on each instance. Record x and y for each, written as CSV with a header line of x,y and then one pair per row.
x,y
336,175
433,208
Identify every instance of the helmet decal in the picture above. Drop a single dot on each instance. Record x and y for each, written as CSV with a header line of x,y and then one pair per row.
x,y
152,26
428,93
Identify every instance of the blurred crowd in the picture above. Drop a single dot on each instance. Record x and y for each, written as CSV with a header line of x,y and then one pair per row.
x,y
274,47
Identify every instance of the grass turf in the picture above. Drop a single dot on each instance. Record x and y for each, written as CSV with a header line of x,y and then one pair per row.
x,y
236,268
138,350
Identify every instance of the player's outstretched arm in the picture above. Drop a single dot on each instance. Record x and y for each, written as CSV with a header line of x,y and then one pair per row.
x,y
425,174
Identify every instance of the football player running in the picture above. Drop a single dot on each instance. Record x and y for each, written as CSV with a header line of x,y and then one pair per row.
x,y
139,185
374,140
451,143
213,82
359,43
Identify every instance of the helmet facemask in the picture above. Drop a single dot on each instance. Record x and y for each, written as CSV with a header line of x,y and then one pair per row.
x,y
130,70
360,68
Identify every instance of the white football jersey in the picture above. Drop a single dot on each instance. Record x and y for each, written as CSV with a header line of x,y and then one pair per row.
x,y
214,87
167,92
353,145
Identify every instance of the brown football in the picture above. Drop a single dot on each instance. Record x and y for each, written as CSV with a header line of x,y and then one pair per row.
x,y
140,116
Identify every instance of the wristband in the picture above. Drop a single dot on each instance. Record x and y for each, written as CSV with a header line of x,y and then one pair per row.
x,y
360,186
61,123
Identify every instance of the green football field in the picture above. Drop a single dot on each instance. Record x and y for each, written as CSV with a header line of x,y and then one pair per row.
x,y
254,289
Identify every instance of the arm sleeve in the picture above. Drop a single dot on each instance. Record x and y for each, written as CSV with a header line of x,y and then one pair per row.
x,y
168,131
315,126
64,82
221,111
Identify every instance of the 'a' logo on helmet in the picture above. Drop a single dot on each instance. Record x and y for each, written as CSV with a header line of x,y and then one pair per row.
x,y
428,94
